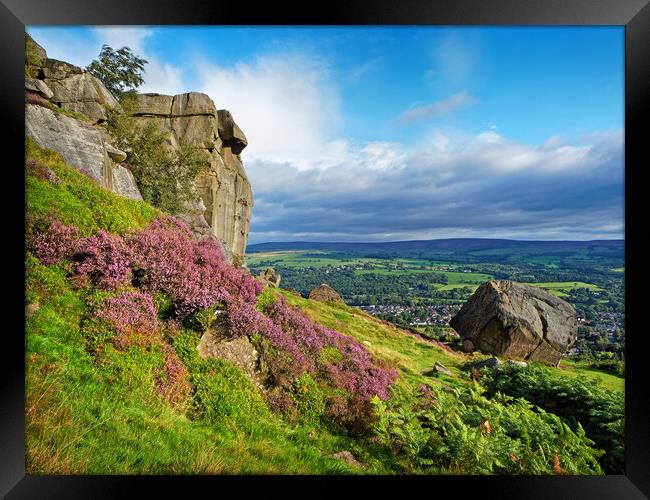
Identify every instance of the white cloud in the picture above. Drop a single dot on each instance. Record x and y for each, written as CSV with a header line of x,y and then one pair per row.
x,y
462,186
286,104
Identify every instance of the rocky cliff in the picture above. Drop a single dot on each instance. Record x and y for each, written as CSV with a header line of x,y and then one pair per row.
x,y
224,189
66,111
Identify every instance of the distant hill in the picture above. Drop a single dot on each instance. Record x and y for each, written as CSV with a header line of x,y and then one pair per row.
x,y
472,248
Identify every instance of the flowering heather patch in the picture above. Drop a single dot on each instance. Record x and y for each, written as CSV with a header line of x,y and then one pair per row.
x,y
165,259
41,171
174,385
104,260
34,98
354,372
57,242
193,273
133,316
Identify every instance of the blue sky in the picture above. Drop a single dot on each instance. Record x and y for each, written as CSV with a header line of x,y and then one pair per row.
x,y
386,133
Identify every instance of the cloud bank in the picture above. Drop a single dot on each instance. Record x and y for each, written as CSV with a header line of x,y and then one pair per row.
x,y
484,186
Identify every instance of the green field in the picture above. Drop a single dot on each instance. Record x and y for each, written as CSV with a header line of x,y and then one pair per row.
x,y
456,278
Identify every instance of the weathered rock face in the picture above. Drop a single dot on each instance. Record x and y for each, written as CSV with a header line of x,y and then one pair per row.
x,y
224,190
325,293
270,277
75,89
38,87
216,343
82,146
517,321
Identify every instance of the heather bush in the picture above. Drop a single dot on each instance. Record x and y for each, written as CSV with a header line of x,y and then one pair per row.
x,y
132,315
340,362
166,258
103,260
55,243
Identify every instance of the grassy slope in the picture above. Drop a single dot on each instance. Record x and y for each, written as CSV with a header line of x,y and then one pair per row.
x,y
83,416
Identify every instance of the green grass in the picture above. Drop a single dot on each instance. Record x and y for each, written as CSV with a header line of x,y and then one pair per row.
x,y
604,379
77,199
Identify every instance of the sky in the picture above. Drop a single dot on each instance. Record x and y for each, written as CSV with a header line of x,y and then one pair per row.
x,y
401,133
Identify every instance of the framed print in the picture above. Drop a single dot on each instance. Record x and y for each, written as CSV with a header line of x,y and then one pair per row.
x,y
370,245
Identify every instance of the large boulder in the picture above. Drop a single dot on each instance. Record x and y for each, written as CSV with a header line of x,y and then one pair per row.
x,y
517,321
325,293
75,89
82,146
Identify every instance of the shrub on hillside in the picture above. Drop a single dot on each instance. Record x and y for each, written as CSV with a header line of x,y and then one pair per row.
x,y
103,260
165,177
132,315
460,431
579,401
57,242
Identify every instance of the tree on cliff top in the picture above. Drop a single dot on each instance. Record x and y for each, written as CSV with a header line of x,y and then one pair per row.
x,y
119,70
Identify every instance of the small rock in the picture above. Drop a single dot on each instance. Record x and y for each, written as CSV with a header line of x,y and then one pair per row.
x,y
31,309
348,458
492,362
468,346
38,87
439,367
270,277
523,364
325,293
367,343
115,154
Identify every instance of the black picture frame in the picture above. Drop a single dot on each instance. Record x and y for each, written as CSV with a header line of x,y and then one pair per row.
x,y
633,14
